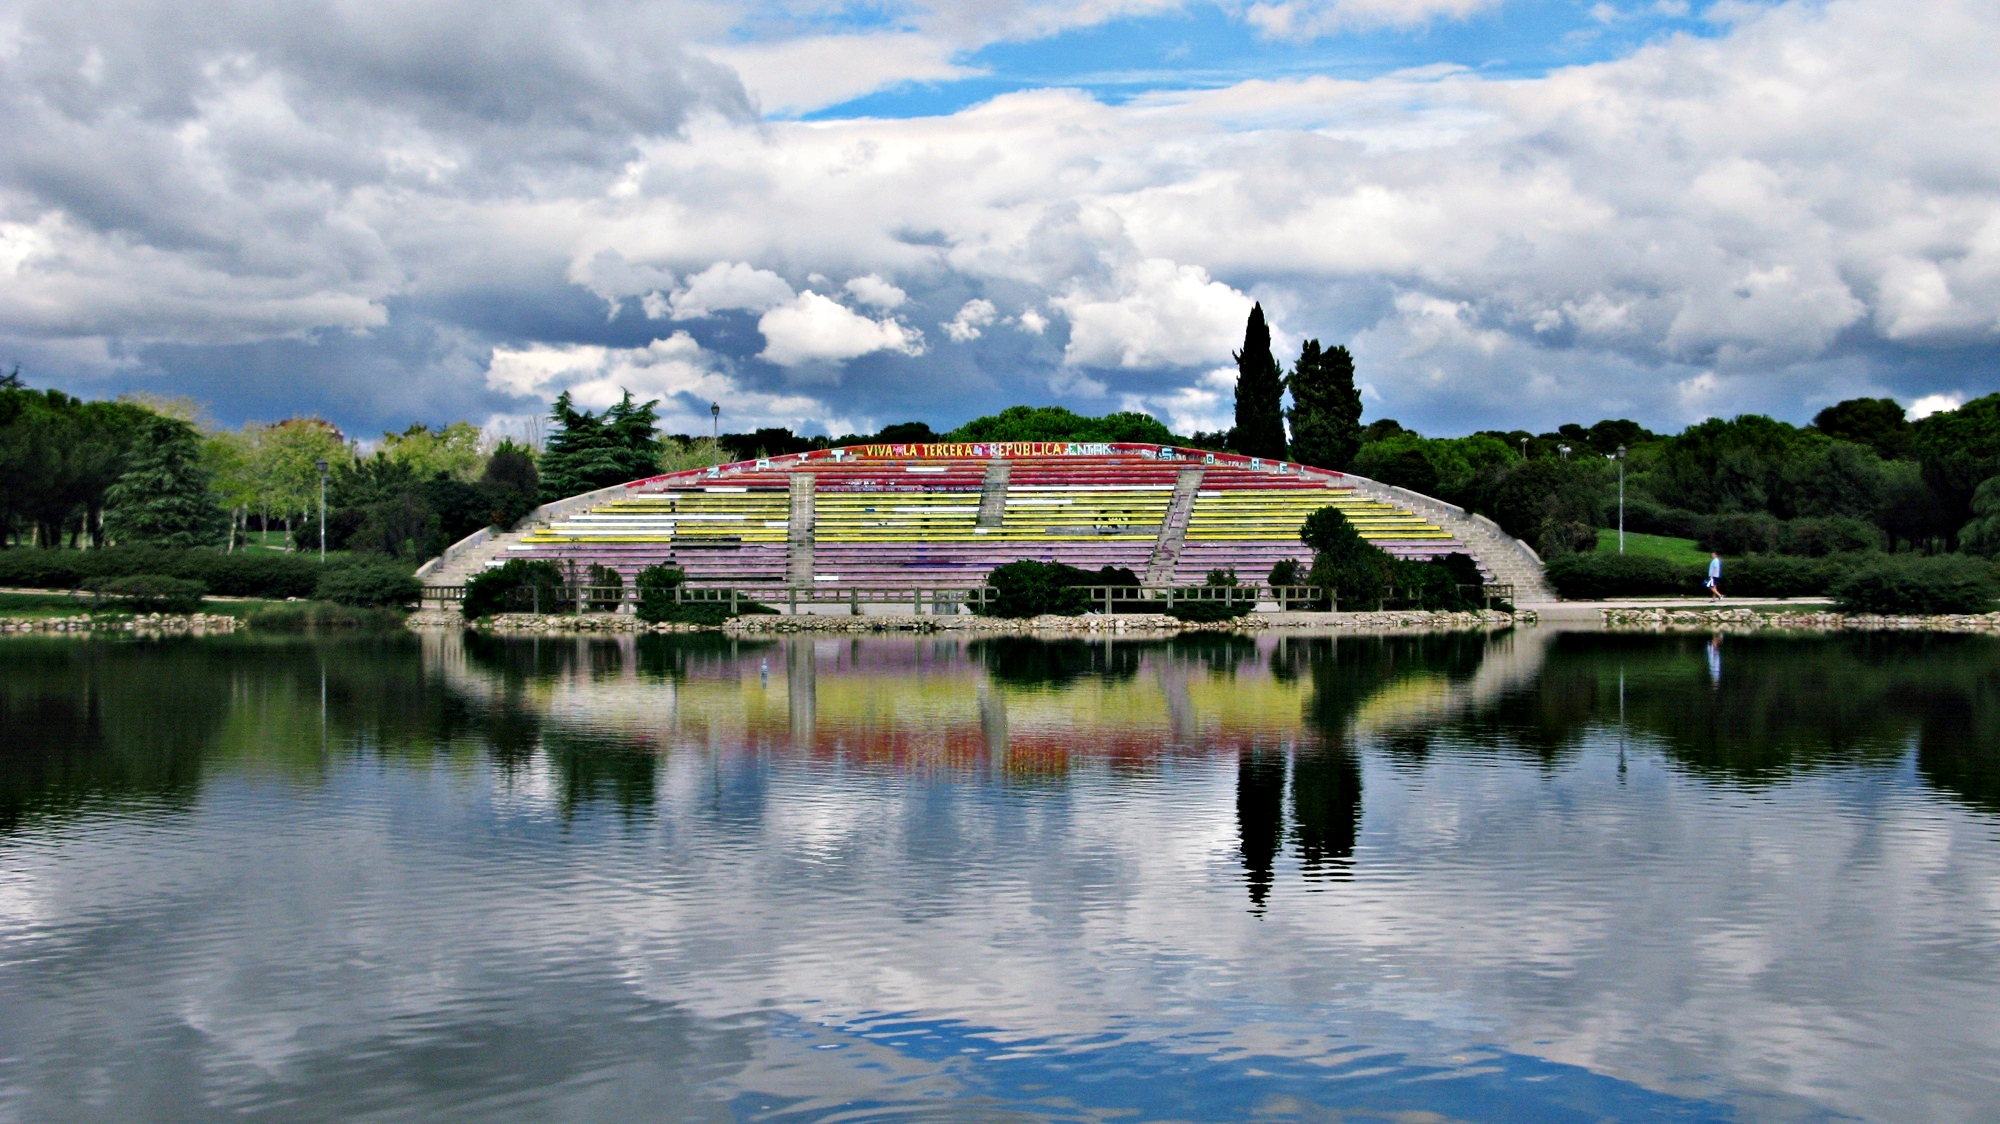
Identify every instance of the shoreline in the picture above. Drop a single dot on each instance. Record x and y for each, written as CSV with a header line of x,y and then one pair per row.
x,y
521,624
1750,620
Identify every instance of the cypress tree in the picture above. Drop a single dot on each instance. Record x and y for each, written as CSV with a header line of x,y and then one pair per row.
x,y
1260,391
163,497
1326,408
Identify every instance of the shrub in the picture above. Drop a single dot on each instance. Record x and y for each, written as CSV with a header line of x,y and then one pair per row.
x,y
1649,518
656,585
1910,584
250,575
610,582
1286,572
30,568
1031,589
1221,579
1207,612
368,585
1449,583
492,591
1777,576
1354,569
151,593
305,616
1601,574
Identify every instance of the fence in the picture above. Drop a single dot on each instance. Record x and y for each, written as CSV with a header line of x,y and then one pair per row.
x,y
942,602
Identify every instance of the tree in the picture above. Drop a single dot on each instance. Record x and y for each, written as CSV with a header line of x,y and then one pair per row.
x,y
452,450
1053,423
1878,423
510,483
1959,449
286,464
588,451
1326,408
1355,569
163,498
1260,392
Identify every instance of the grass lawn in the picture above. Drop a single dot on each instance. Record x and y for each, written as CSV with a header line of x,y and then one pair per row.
x,y
40,606
1652,546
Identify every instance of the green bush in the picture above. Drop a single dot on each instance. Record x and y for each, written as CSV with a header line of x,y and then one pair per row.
x,y
305,616
150,593
30,568
1031,589
656,586
362,586
1753,533
1599,575
1356,570
1910,584
493,591
1818,538
1447,584
1778,576
242,574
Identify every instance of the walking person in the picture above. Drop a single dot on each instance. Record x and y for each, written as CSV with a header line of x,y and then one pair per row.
x,y
1714,582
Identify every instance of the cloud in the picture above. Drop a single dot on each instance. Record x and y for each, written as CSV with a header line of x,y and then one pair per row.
x,y
1207,406
675,370
1165,314
1935,404
973,315
1308,19
813,329
800,75
872,290
725,286
1799,200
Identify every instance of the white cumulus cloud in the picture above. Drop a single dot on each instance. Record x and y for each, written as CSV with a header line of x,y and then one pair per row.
x,y
815,329
873,290
973,316
675,370
728,285
1163,314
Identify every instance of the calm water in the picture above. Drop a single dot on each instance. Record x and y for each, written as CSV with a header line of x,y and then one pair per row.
x,y
1537,876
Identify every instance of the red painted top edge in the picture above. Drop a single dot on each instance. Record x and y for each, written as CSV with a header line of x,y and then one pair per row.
x,y
976,450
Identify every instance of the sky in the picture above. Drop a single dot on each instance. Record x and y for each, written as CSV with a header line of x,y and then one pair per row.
x,y
835,216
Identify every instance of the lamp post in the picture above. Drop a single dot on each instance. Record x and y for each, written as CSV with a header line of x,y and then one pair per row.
x,y
1524,448
322,510
715,421
1563,450
1621,499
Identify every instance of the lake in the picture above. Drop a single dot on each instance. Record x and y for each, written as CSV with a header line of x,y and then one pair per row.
x,y
1529,876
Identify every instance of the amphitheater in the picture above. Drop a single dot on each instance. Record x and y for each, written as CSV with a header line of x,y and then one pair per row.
x,y
941,516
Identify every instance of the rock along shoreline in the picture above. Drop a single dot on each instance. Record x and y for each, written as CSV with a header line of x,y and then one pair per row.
x,y
1090,625
1750,620
145,624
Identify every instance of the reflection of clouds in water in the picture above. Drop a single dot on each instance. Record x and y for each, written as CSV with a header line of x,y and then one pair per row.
x,y
1691,930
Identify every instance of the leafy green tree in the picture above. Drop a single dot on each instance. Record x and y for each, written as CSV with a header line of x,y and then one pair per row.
x,y
1260,392
589,451
286,464
1326,410
1356,570
163,498
1053,423
1959,449
452,450
1878,423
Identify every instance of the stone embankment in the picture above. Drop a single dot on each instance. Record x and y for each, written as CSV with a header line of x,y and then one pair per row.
x,y
149,624
1750,620
1090,625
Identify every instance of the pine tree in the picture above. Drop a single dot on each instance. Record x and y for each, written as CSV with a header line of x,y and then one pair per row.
x,y
163,497
589,451
1260,391
1326,408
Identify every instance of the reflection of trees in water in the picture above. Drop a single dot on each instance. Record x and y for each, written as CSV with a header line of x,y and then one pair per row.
x,y
1326,805
1025,661
680,655
593,769
1220,653
1260,816
83,722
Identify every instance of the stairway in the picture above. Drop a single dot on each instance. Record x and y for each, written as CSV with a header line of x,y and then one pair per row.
x,y
1505,559
799,533
486,547
993,494
1173,531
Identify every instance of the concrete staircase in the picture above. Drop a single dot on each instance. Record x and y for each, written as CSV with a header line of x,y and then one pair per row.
x,y
1505,559
487,547
993,494
799,532
1173,531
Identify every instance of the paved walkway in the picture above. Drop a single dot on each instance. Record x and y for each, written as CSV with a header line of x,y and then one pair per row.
x,y
1573,611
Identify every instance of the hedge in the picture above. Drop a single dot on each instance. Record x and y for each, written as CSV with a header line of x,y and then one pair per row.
x,y
368,586
242,574
1910,584
150,593
1595,575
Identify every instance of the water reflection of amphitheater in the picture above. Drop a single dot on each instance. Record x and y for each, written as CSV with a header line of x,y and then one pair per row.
x,y
1011,705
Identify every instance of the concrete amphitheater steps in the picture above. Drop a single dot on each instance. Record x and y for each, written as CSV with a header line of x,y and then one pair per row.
x,y
1506,559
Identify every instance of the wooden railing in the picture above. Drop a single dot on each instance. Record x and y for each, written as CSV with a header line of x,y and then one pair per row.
x,y
941,601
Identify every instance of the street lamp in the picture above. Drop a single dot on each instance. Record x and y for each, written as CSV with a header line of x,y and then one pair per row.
x,y
1524,448
715,421
1564,450
1621,499
322,510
